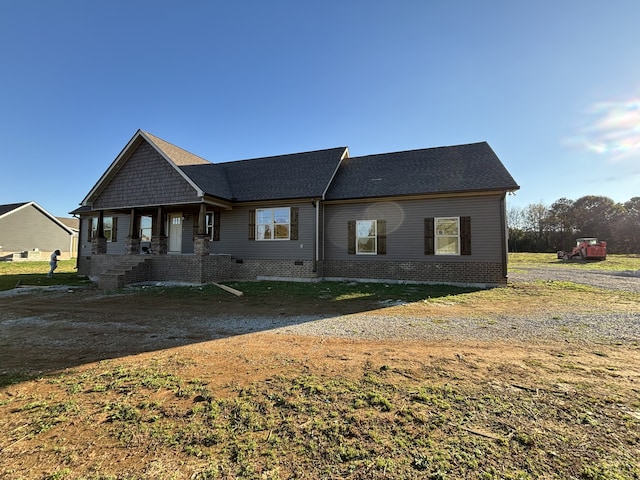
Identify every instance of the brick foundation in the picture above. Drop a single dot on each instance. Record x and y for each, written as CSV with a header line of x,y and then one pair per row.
x,y
214,268
455,273
252,269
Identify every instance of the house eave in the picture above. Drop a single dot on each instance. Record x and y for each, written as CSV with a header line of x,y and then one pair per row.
x,y
422,196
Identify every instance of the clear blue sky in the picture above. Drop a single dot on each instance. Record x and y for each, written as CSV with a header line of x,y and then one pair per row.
x,y
553,87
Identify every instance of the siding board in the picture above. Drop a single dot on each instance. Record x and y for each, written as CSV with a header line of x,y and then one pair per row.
x,y
234,225
28,228
405,227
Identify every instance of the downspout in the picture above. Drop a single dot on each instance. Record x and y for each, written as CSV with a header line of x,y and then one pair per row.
x,y
505,233
316,236
71,246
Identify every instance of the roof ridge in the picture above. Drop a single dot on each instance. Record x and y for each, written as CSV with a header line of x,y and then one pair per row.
x,y
422,149
281,155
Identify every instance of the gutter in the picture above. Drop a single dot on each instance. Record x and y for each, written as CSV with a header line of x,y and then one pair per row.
x,y
505,234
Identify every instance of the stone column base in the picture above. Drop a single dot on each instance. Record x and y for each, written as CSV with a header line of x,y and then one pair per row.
x,y
159,245
202,245
132,246
99,246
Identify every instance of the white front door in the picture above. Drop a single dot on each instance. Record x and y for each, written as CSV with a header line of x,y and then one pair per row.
x,y
175,233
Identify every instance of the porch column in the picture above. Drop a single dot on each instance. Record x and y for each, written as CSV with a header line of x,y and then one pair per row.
x,y
159,239
132,247
201,244
99,242
202,220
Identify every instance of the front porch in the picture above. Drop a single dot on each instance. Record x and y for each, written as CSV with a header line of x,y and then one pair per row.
x,y
115,271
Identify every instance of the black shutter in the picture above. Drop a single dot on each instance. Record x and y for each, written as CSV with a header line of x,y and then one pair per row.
x,y
216,226
114,228
293,232
465,235
382,237
429,236
252,224
351,237
90,232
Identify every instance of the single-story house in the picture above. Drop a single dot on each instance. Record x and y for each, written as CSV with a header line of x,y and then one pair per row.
x,y
161,213
29,232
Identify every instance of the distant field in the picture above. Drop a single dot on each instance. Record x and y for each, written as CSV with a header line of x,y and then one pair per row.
x,y
613,262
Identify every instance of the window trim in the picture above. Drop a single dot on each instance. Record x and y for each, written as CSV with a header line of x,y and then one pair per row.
x,y
438,235
374,236
142,229
212,225
93,232
381,237
273,224
464,232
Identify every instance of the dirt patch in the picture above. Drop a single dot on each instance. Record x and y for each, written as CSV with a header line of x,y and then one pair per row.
x,y
489,392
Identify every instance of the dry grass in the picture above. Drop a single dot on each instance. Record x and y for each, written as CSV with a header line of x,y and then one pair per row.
x,y
274,406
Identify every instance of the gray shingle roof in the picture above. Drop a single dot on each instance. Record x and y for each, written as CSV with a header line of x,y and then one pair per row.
x,y
298,175
9,207
460,168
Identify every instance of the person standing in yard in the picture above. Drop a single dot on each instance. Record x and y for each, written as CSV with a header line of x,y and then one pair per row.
x,y
53,263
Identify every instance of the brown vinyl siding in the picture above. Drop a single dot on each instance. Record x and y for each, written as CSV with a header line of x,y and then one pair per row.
x,y
405,227
145,179
234,240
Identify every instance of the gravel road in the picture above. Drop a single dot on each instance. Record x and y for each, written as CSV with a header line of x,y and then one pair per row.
x,y
608,328
627,280
77,326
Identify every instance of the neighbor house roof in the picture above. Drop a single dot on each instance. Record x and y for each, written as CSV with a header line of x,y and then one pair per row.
x,y
11,208
455,169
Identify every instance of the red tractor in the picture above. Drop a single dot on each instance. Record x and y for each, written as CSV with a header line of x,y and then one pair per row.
x,y
588,248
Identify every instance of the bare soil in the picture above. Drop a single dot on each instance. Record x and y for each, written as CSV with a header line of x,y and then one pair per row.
x,y
220,343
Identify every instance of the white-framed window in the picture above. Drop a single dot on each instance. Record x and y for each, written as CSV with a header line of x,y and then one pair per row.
x,y
210,225
108,227
273,223
146,224
447,235
366,237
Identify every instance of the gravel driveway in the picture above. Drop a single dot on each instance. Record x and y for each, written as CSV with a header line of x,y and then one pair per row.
x,y
63,328
612,328
627,280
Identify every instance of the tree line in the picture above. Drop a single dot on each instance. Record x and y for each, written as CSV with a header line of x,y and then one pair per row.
x,y
542,228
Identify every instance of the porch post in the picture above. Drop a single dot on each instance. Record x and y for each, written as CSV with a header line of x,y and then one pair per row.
x,y
202,219
132,247
159,239
99,242
201,245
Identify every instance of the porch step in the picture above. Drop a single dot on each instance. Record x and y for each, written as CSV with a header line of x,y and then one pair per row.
x,y
130,269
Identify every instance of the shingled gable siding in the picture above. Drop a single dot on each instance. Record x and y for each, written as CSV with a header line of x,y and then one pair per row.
x,y
145,179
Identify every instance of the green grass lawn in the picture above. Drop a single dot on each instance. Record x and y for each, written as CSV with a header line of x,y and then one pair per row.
x,y
35,273
612,263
